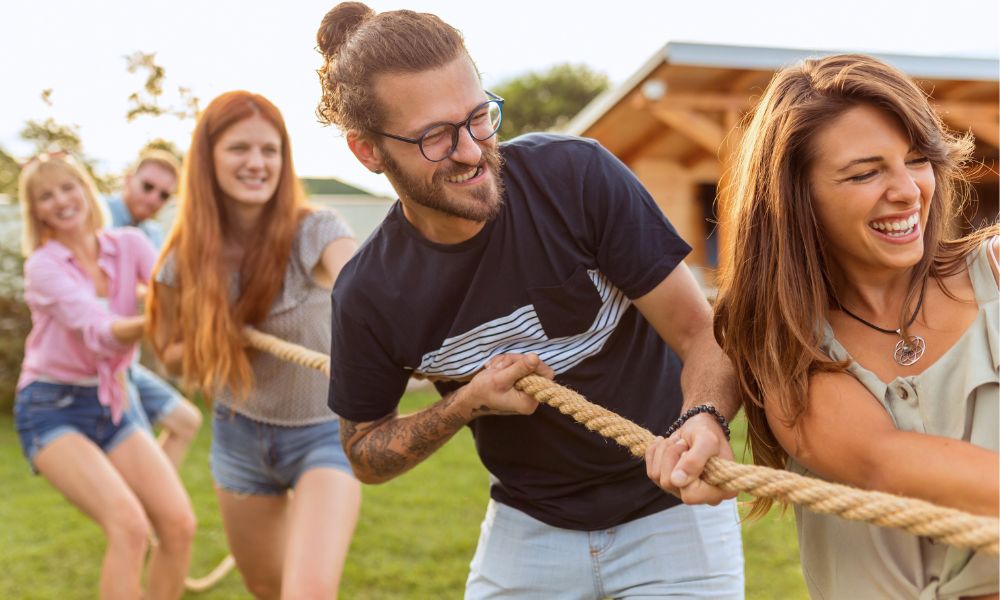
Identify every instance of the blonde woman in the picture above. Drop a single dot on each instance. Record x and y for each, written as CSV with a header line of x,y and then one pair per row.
x,y
71,407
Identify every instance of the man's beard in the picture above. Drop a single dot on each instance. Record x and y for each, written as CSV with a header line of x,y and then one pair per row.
x,y
481,204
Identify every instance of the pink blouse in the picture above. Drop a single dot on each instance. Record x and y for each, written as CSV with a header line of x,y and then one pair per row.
x,y
70,337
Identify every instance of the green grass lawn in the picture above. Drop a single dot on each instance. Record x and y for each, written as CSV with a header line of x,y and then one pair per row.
x,y
414,540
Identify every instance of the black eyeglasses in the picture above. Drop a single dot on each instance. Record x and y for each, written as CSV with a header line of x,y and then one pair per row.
x,y
440,140
149,187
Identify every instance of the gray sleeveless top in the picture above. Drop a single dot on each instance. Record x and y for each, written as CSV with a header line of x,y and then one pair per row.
x,y
955,397
285,393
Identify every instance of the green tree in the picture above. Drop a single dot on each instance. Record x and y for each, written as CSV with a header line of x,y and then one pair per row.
x,y
547,100
9,170
165,145
15,321
48,134
147,100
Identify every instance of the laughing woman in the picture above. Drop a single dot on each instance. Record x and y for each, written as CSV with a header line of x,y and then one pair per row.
x,y
246,250
80,285
864,333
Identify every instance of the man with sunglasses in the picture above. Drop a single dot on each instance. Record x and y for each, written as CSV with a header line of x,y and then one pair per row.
x,y
540,255
149,185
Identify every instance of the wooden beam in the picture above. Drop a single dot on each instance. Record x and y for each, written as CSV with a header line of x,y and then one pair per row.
x,y
986,111
695,126
696,157
641,147
981,120
963,90
710,101
745,81
985,133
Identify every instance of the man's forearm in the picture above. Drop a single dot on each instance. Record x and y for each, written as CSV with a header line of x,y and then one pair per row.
x,y
381,450
708,376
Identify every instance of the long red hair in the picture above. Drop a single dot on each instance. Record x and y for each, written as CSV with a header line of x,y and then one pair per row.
x,y
207,322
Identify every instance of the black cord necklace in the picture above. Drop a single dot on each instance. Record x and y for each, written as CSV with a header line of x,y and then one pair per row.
x,y
907,352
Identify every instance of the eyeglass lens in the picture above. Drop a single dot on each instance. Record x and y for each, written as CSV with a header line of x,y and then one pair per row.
x,y
439,142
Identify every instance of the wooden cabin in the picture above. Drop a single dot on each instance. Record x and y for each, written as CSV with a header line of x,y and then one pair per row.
x,y
673,121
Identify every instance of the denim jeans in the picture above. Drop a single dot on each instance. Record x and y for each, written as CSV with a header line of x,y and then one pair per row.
x,y
45,411
157,397
251,457
682,552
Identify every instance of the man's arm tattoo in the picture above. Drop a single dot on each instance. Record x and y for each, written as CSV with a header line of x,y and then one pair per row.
x,y
347,431
424,436
392,445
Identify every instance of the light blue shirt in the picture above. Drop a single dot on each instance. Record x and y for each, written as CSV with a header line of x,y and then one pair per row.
x,y
121,217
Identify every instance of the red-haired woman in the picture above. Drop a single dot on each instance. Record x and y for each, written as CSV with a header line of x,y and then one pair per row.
x,y
246,250
863,331
71,410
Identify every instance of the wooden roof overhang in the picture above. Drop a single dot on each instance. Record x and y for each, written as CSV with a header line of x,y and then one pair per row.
x,y
683,103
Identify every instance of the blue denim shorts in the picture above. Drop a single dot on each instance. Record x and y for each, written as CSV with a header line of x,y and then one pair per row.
x,y
156,396
251,457
45,411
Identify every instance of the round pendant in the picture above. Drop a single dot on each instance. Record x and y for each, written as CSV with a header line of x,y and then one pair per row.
x,y
907,354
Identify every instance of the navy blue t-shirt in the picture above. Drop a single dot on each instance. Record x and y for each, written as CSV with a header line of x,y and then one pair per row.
x,y
553,274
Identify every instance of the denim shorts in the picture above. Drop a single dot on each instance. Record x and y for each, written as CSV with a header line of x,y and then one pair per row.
x,y
251,457
45,411
681,552
156,396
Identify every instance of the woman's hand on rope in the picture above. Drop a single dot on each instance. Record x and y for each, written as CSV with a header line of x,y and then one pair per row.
x,y
491,391
676,463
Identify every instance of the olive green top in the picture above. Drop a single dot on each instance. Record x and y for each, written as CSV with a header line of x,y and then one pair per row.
x,y
955,397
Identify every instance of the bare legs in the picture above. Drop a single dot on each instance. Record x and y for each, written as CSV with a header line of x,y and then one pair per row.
x,y
321,523
180,426
294,546
118,490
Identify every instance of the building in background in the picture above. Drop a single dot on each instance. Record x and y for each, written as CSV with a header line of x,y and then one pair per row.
x,y
674,122
363,210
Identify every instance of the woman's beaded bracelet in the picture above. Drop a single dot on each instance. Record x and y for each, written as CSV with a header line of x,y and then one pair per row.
x,y
701,408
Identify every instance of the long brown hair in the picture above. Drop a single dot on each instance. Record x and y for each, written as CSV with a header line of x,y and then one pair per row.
x,y
358,45
774,287
208,324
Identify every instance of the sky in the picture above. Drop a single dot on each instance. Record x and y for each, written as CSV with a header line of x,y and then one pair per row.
x,y
77,49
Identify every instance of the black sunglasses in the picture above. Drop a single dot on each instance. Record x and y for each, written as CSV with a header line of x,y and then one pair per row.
x,y
440,140
149,187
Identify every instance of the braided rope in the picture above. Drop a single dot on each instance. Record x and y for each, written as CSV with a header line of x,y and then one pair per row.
x,y
946,525
200,584
287,350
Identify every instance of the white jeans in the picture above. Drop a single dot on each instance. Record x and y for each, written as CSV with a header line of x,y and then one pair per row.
x,y
682,552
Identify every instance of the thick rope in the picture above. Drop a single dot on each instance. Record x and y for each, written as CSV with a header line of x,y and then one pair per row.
x,y
946,525
287,350
201,584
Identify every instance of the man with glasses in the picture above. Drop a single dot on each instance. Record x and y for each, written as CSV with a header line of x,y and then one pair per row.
x,y
149,184
539,255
